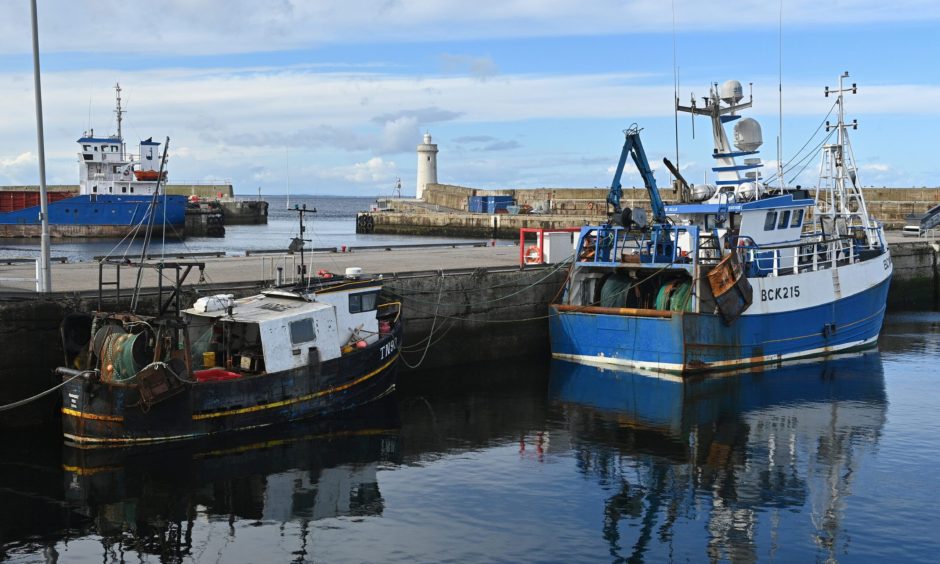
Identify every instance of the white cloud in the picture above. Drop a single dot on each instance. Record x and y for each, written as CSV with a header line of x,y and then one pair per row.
x,y
209,26
18,160
876,167
224,121
375,170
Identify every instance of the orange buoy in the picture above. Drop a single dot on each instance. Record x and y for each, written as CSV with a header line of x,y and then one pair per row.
x,y
533,255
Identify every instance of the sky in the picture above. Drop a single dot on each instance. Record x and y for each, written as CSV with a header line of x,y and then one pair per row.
x,y
332,97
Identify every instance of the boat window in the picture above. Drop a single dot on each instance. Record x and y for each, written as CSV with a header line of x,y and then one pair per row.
x,y
301,331
770,220
86,147
365,301
784,219
114,168
132,189
797,218
124,189
94,188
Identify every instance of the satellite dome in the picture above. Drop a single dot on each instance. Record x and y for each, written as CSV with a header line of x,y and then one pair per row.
x,y
732,92
747,135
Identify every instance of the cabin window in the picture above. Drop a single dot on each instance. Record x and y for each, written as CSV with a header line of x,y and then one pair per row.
x,y
365,301
132,189
784,220
797,218
770,220
96,148
114,169
124,189
86,147
301,331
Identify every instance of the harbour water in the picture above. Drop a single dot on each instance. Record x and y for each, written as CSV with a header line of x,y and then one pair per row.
x,y
526,462
334,225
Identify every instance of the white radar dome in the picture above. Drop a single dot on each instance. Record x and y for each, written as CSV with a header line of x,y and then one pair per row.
x,y
747,135
748,191
732,92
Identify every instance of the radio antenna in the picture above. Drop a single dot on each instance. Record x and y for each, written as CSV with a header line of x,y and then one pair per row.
x,y
780,99
675,81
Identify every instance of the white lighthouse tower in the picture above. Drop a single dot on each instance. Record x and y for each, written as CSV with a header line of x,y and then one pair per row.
x,y
427,165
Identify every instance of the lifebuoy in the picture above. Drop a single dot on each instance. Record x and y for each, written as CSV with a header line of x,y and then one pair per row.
x,y
533,255
127,172
590,206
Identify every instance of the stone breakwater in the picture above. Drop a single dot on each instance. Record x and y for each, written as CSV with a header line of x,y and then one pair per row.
x,y
443,211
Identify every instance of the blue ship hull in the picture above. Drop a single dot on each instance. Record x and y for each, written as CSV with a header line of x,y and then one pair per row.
x,y
97,216
696,342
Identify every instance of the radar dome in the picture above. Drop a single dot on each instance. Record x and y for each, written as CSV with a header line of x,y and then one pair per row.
x,y
732,92
748,191
747,135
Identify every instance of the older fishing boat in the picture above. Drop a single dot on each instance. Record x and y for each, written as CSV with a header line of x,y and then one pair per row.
x,y
225,364
740,273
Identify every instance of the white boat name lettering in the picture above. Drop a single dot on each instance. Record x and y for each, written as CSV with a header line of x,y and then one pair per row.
x,y
772,294
387,350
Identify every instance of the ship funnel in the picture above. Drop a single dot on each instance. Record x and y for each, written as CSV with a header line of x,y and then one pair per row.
x,y
732,92
747,135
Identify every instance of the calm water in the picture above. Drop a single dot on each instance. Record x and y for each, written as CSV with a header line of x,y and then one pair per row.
x,y
527,462
333,225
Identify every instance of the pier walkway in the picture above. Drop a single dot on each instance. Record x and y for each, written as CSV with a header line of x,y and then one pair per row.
x,y
83,276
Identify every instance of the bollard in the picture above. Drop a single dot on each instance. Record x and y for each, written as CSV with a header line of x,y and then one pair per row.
x,y
343,249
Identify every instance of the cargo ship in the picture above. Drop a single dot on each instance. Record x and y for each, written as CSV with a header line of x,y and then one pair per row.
x,y
117,193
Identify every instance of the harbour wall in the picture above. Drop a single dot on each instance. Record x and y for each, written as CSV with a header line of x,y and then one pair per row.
x,y
443,211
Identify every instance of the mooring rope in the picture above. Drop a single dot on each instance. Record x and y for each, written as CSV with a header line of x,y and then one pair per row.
x,y
440,292
23,402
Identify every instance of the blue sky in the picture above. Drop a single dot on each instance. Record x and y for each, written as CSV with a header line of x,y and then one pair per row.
x,y
517,93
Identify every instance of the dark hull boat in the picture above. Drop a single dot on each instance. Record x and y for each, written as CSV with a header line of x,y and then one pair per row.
x,y
227,365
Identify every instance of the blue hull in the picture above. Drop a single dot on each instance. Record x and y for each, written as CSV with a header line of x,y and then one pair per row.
x,y
692,342
103,216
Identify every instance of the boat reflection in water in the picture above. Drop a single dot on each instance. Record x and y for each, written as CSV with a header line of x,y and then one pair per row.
x,y
731,451
150,499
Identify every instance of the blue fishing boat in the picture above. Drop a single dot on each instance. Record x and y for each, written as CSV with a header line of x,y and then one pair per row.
x,y
118,193
738,273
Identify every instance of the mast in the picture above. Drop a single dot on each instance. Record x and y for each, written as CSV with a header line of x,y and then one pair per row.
x,y
838,174
45,270
147,234
119,113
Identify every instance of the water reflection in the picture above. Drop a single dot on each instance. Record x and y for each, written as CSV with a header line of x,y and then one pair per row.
x,y
724,450
147,500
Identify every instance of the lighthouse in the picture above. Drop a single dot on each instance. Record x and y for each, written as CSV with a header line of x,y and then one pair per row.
x,y
427,165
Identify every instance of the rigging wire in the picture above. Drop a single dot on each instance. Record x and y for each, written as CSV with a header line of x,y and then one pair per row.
x,y
808,141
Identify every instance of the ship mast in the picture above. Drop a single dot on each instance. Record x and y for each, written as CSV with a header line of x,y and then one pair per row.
x,y
841,197
119,113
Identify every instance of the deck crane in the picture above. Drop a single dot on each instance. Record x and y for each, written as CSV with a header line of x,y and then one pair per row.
x,y
633,147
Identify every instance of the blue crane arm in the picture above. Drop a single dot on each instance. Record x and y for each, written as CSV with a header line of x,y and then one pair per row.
x,y
633,147
643,165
